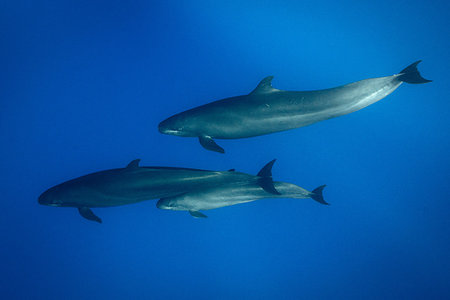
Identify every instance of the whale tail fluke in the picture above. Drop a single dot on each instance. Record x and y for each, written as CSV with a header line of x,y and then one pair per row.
x,y
411,75
317,195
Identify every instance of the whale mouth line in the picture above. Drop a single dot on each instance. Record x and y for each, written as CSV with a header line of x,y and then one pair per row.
x,y
177,132
171,131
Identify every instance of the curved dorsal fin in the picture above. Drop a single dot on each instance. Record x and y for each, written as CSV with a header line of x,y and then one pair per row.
x,y
265,180
134,164
264,86
266,171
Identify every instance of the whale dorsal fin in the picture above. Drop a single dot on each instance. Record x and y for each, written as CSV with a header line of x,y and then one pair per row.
x,y
134,164
265,178
264,87
266,171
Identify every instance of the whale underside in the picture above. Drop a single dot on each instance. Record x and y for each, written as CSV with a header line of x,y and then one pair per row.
x,y
267,110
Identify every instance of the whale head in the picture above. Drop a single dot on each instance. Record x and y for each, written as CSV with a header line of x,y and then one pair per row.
x,y
65,194
185,124
171,203
174,125
51,197
165,203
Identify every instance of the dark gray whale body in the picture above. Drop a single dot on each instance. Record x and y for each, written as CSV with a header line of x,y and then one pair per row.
x,y
267,110
134,184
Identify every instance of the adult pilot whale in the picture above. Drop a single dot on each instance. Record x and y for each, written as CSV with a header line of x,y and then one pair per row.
x,y
266,109
133,184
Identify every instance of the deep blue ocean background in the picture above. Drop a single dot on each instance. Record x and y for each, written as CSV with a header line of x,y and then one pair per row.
x,y
84,85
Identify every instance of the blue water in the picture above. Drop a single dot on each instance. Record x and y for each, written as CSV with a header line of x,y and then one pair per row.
x,y
84,85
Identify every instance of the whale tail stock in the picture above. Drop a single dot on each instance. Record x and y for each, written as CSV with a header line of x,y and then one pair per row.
x,y
411,75
317,195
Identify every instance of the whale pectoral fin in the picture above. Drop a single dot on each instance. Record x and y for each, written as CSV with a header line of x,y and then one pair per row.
x,y
208,143
196,214
87,213
265,181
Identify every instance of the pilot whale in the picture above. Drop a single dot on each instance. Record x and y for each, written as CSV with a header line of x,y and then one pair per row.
x,y
234,193
133,184
267,110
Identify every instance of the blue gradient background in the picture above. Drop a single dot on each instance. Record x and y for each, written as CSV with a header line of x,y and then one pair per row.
x,y
84,84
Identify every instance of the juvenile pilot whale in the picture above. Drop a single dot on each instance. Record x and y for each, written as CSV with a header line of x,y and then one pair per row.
x,y
267,110
234,193
133,184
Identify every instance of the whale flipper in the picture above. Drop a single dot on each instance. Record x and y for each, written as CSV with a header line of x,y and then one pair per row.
x,y
265,181
196,214
410,74
317,195
87,213
208,143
